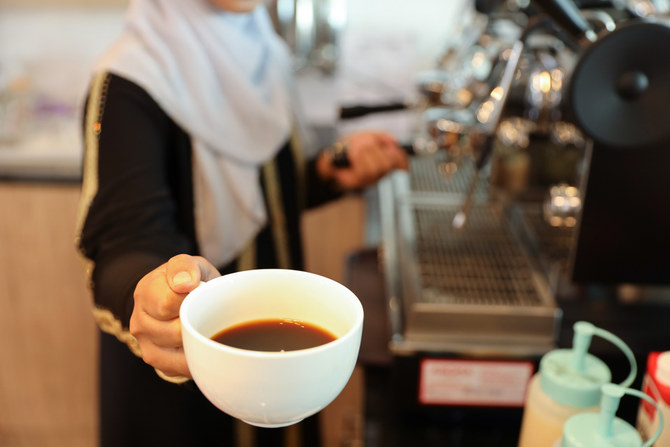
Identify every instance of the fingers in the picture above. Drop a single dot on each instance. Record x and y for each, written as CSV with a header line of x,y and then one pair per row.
x,y
396,155
160,343
160,293
155,319
389,149
184,272
170,361
371,155
384,139
165,334
369,162
154,296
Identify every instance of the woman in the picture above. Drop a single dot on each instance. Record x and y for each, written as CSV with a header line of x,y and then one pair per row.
x,y
193,168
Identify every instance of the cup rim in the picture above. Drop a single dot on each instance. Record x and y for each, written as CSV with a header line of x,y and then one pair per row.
x,y
186,324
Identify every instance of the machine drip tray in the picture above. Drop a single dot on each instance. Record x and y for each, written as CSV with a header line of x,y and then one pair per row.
x,y
477,291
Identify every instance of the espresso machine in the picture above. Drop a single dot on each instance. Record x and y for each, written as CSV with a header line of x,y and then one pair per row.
x,y
552,179
536,187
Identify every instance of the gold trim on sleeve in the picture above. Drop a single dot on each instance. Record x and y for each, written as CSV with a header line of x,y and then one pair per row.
x,y
104,318
247,259
108,323
299,161
92,129
278,219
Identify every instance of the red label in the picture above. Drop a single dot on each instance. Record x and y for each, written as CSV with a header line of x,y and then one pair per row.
x,y
489,383
649,388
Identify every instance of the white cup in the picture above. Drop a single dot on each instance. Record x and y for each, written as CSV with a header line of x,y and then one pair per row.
x,y
271,389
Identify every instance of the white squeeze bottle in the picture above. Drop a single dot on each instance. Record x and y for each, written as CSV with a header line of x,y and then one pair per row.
x,y
568,382
604,429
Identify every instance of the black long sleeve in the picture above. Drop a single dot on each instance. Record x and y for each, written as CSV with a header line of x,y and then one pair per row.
x,y
138,217
142,210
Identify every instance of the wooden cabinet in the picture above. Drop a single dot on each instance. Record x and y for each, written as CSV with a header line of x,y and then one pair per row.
x,y
330,234
48,340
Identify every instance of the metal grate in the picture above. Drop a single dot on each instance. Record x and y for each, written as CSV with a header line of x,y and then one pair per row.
x,y
482,265
476,290
431,174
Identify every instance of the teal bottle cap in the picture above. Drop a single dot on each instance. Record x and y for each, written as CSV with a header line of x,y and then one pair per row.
x,y
573,377
604,429
571,387
580,431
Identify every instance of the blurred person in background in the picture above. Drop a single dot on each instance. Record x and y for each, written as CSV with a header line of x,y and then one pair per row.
x,y
195,165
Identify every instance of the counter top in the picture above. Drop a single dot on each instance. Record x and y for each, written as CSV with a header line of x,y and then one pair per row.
x,y
46,151
44,74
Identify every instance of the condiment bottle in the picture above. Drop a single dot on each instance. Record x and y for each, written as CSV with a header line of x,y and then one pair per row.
x,y
568,382
604,429
656,384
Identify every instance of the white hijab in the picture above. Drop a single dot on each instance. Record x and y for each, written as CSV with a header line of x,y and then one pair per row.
x,y
224,78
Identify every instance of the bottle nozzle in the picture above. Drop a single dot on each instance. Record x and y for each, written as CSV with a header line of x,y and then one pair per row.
x,y
609,404
584,332
580,343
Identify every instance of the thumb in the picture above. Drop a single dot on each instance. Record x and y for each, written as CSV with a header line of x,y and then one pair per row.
x,y
185,272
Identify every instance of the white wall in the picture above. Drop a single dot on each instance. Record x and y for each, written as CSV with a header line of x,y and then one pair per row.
x,y
383,45
432,23
54,46
63,42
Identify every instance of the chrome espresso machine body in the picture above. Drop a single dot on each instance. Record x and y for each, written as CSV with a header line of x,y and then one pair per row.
x,y
529,179
459,277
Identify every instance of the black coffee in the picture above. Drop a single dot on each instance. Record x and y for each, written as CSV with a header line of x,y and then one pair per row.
x,y
274,335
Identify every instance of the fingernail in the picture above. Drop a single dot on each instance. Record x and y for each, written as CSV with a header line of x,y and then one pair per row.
x,y
181,278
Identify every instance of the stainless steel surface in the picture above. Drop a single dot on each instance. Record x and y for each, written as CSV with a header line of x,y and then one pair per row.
x,y
428,176
478,292
311,29
554,244
488,116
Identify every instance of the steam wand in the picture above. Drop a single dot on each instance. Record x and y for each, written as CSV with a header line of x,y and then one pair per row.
x,y
488,114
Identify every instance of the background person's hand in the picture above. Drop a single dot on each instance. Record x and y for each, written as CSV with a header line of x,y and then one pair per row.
x,y
155,319
371,155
